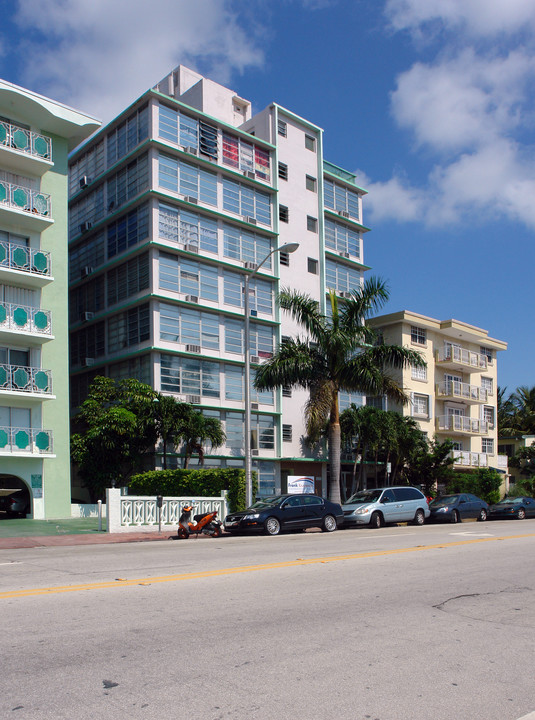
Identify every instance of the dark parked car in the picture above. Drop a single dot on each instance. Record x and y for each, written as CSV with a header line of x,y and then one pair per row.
x,y
455,508
513,507
15,503
286,512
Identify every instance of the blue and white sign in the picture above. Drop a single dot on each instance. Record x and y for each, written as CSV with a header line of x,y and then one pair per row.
x,y
299,484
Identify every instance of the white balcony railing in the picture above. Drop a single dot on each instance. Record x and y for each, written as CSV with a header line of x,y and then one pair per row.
x,y
18,378
461,356
462,424
25,440
19,257
25,319
470,459
462,391
24,198
25,141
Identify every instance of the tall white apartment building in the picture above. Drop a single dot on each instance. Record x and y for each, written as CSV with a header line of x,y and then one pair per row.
x,y
171,205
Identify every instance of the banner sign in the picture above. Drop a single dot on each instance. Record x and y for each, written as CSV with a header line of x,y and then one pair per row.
x,y
299,484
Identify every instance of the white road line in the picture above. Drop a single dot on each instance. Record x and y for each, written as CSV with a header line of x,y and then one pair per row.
x,y
473,534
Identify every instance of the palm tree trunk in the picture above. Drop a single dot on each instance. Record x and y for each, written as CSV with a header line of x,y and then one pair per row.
x,y
334,453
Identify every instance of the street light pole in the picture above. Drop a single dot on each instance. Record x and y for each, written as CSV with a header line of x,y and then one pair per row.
x,y
289,248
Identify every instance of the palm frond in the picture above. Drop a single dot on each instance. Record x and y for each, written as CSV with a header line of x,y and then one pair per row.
x,y
305,310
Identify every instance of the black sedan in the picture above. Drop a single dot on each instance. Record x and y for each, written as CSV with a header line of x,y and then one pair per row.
x,y
15,502
455,508
286,512
513,507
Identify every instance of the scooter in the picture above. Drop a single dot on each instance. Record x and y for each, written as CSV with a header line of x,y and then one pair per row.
x,y
205,523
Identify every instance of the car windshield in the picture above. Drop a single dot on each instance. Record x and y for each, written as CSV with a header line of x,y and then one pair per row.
x,y
510,501
364,496
443,501
267,502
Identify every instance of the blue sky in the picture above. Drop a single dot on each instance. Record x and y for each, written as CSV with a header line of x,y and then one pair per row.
x,y
431,102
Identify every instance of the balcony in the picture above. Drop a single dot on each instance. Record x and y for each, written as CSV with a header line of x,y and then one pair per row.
x,y
24,151
25,441
455,390
24,208
464,458
461,425
17,320
461,359
29,381
24,266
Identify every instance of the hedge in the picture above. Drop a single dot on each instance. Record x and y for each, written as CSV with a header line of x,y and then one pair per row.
x,y
203,483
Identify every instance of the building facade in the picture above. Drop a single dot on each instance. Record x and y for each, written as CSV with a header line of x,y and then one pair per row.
x,y
36,135
455,396
171,205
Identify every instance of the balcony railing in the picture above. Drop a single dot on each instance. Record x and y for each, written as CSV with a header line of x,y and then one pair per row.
x,y
461,356
18,378
462,391
25,141
470,459
25,319
462,424
25,440
24,198
19,257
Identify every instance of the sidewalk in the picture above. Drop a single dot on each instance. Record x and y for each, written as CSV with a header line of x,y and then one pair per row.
x,y
15,533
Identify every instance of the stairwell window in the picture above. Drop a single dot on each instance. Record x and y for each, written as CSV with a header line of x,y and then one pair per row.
x,y
310,143
283,171
310,183
287,432
284,213
312,224
282,128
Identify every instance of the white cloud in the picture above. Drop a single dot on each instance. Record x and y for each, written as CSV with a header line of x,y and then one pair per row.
x,y
101,55
474,18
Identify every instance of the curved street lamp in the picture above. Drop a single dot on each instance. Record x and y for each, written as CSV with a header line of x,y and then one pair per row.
x,y
287,248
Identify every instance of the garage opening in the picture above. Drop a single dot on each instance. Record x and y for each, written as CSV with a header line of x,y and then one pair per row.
x,y
15,498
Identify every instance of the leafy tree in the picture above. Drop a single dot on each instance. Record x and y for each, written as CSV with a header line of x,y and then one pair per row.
x,y
195,431
431,465
484,482
339,352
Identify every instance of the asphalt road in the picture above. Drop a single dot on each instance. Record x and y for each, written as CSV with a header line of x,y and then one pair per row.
x,y
403,623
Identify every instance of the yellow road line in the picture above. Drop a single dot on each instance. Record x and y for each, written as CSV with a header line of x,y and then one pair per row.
x,y
120,583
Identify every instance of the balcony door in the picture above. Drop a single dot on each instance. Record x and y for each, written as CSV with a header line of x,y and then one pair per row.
x,y
15,417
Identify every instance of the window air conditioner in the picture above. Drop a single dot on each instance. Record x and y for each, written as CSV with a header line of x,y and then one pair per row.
x,y
191,150
192,298
190,199
343,213
345,294
256,453
193,399
88,361
193,348
249,174
254,313
191,248
86,316
85,271
344,254
249,265
255,359
249,219
254,406
85,226
84,182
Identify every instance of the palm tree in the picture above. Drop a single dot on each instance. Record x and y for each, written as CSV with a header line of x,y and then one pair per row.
x,y
523,401
196,431
339,352
169,416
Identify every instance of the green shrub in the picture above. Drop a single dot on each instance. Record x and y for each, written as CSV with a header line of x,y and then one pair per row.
x,y
485,483
203,483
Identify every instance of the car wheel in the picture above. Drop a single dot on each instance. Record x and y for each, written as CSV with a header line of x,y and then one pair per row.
x,y
272,526
482,515
419,518
521,514
329,523
455,516
376,520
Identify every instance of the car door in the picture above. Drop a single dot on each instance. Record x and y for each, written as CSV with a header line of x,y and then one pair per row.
x,y
529,504
314,510
465,507
293,512
390,507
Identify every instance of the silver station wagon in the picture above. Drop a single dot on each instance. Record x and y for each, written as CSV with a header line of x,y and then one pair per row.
x,y
380,506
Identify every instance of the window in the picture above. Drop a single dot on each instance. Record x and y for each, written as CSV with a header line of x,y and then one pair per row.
x,y
310,183
191,376
242,245
418,373
420,405
286,391
244,201
310,143
287,431
488,416
312,266
245,156
185,276
283,171
341,199
488,352
342,239
487,445
340,277
187,228
189,180
182,325
346,399
312,224
281,128
284,214
418,336
486,384
284,258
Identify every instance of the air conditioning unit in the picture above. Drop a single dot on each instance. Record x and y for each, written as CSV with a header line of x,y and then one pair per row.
x,y
191,150
86,316
255,359
249,265
249,219
191,248
193,399
84,182
344,254
193,348
345,294
256,453
190,199
343,213
253,313
254,406
249,174
88,362
85,271
85,226
192,298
